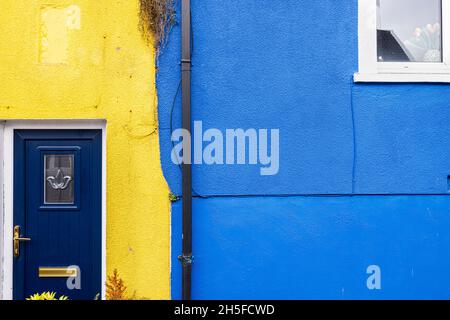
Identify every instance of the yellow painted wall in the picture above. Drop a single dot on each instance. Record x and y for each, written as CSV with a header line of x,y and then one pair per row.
x,y
90,61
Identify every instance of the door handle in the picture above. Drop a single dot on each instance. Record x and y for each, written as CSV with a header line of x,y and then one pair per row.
x,y
16,241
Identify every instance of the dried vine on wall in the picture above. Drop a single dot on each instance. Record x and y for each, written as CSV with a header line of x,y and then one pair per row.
x,y
157,17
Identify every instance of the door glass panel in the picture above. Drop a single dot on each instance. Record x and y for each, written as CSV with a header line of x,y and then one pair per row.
x,y
409,30
59,186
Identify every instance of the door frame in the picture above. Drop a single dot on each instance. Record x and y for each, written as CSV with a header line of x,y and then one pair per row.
x,y
7,128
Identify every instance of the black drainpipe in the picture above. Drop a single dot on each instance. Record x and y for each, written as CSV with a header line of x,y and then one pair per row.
x,y
186,257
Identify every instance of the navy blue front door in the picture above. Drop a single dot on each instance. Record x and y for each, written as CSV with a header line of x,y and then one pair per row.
x,y
57,213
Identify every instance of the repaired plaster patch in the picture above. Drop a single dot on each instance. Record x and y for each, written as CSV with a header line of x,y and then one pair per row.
x,y
56,24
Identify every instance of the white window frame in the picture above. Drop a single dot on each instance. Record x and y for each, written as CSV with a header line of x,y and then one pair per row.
x,y
370,70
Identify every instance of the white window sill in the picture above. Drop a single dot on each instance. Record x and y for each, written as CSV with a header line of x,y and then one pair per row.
x,y
402,77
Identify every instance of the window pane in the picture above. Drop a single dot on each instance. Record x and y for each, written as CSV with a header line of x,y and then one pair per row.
x,y
409,30
58,179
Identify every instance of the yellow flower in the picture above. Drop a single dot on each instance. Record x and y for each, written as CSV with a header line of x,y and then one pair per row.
x,y
46,296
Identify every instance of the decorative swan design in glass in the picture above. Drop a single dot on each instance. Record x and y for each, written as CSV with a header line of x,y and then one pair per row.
x,y
59,182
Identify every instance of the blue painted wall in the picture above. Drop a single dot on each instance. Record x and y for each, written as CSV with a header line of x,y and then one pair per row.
x,y
289,65
318,247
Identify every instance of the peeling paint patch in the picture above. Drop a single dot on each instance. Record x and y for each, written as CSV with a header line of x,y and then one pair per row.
x,y
56,24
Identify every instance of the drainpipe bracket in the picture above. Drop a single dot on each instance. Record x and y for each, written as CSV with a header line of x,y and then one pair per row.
x,y
186,260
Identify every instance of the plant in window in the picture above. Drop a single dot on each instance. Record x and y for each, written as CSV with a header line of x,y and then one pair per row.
x,y
426,43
